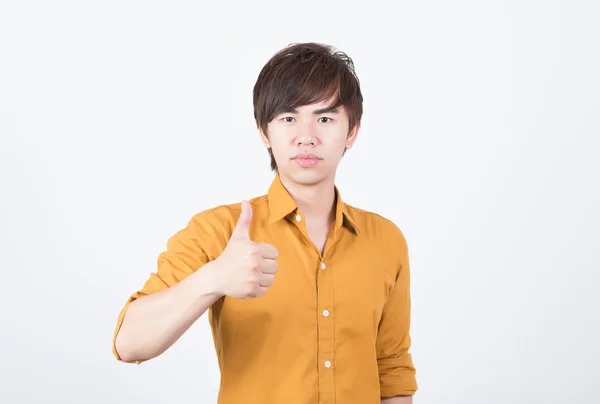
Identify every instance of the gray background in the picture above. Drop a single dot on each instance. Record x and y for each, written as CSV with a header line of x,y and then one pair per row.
x,y
119,120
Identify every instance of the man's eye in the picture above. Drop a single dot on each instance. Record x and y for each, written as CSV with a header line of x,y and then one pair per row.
x,y
325,119
288,119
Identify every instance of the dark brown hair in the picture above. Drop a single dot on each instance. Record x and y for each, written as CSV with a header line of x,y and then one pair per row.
x,y
303,74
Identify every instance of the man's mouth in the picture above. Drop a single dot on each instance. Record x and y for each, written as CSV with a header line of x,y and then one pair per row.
x,y
306,160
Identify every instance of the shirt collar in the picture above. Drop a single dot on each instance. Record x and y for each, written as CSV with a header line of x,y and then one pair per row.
x,y
281,204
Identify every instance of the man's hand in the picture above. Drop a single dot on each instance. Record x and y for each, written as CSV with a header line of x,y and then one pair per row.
x,y
245,269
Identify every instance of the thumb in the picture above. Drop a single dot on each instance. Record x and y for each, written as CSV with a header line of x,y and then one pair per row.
x,y
243,225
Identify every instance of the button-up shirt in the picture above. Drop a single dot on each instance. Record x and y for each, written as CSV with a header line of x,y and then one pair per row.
x,y
333,328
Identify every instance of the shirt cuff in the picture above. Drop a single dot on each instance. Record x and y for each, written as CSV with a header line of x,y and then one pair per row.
x,y
397,378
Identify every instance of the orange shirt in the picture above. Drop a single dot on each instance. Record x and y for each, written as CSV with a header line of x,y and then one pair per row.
x,y
333,328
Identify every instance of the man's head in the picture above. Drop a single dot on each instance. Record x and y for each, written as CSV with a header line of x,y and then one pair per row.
x,y
307,101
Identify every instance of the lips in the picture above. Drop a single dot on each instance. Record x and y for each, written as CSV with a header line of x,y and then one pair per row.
x,y
306,160
306,156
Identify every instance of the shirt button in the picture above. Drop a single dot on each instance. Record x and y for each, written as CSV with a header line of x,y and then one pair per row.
x,y
326,313
323,266
298,218
327,364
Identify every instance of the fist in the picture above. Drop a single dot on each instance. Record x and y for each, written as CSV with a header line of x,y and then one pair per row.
x,y
245,269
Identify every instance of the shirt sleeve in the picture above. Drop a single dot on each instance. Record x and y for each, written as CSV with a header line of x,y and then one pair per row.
x,y
396,369
186,251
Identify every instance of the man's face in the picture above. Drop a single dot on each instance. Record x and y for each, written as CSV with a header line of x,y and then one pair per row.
x,y
308,143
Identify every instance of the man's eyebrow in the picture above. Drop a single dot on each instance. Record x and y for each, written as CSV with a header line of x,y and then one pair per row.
x,y
317,112
326,110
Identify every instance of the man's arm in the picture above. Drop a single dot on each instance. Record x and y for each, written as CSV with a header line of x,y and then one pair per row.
x,y
153,323
396,369
397,400
172,298
200,266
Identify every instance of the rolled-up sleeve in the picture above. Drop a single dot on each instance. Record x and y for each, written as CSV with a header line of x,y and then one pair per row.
x,y
187,251
397,373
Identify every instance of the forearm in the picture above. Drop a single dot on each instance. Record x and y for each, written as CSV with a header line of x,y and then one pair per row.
x,y
397,400
153,323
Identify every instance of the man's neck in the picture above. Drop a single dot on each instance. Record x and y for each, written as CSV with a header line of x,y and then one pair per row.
x,y
316,201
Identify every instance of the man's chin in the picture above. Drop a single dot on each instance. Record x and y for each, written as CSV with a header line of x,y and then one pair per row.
x,y
307,177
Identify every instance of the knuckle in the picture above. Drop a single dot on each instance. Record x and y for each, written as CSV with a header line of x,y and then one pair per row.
x,y
254,279
253,261
251,291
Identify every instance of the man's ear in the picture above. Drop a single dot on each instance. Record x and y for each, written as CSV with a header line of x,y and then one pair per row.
x,y
351,138
264,138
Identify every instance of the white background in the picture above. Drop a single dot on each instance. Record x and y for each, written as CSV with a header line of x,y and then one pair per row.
x,y
119,120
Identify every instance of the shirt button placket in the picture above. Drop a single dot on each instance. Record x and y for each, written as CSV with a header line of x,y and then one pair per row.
x,y
326,333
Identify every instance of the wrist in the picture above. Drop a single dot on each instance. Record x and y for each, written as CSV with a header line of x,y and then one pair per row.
x,y
207,280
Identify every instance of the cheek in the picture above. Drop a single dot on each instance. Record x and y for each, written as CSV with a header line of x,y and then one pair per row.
x,y
277,140
334,139
279,146
280,137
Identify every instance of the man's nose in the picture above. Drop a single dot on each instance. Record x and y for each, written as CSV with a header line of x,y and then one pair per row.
x,y
307,136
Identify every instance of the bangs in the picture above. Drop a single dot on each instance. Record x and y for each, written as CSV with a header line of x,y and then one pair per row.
x,y
305,78
320,84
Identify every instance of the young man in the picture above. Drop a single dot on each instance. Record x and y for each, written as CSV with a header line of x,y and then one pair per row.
x,y
308,297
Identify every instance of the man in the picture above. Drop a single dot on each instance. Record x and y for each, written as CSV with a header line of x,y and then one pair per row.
x,y
308,297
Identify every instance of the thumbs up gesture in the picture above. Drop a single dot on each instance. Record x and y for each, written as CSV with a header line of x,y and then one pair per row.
x,y
245,269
